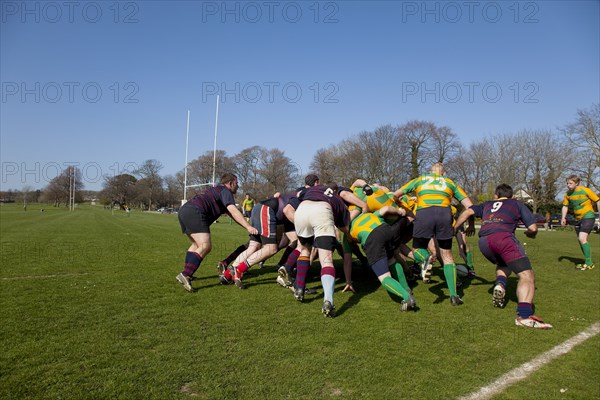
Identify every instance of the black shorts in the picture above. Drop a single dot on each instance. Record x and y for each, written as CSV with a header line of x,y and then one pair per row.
x,y
434,222
584,225
379,244
400,229
192,219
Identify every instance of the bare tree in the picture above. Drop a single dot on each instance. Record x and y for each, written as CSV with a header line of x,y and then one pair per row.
x,y
200,170
505,163
119,189
584,137
534,160
471,169
173,190
58,190
384,156
278,172
444,143
149,185
326,164
247,168
418,135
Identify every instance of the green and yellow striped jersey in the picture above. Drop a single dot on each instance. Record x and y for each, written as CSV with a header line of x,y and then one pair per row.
x,y
363,225
434,190
580,202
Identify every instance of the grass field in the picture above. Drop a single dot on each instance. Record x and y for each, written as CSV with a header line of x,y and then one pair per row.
x,y
90,309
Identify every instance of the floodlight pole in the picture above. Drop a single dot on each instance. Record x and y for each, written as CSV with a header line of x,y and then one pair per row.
x,y
215,145
73,202
71,188
187,138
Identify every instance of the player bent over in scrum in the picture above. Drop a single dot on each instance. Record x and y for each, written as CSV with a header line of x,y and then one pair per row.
x,y
195,218
266,216
379,238
321,210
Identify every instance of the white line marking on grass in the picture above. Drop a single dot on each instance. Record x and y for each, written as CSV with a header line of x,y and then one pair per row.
x,y
528,368
43,276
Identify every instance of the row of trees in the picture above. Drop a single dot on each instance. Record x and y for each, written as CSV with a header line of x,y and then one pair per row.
x,y
534,161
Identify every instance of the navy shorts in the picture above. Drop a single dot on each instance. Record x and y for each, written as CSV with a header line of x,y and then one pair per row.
x,y
192,219
433,222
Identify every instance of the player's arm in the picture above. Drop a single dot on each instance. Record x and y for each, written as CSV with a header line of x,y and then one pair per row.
x,y
467,214
239,218
466,202
388,211
359,183
353,199
397,195
563,212
347,262
289,211
531,231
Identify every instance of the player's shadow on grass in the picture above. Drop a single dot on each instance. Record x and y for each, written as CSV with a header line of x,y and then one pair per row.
x,y
438,285
510,290
364,282
267,275
574,260
475,281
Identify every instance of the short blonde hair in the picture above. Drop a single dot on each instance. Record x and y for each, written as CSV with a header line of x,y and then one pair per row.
x,y
438,168
574,178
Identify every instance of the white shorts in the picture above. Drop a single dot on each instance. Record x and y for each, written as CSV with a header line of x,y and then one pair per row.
x,y
314,219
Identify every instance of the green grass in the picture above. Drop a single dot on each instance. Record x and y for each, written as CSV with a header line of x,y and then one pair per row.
x,y
90,309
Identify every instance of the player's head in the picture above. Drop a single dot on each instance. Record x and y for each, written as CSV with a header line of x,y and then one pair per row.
x,y
573,181
333,186
438,169
504,190
230,180
311,180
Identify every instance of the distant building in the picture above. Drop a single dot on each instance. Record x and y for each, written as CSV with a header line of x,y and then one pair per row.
x,y
523,196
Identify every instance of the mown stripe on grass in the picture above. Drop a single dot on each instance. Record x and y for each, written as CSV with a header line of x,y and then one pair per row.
x,y
528,368
14,278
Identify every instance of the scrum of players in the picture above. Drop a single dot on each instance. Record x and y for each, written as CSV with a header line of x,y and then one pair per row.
x,y
320,219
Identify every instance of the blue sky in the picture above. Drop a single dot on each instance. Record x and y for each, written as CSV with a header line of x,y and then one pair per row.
x,y
107,85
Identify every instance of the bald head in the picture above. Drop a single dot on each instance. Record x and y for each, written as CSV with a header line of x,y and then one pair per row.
x,y
438,168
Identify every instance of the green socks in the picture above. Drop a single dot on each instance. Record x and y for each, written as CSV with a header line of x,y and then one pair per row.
x,y
420,255
587,252
394,287
401,277
450,274
470,260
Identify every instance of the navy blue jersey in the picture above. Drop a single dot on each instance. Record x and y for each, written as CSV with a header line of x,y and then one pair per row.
x,y
502,215
284,200
213,202
341,216
279,203
343,188
300,192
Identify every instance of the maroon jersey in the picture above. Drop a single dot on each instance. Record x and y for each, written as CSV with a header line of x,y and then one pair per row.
x,y
341,216
213,202
502,215
279,203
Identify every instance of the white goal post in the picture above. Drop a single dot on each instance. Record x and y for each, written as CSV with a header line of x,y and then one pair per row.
x,y
187,137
